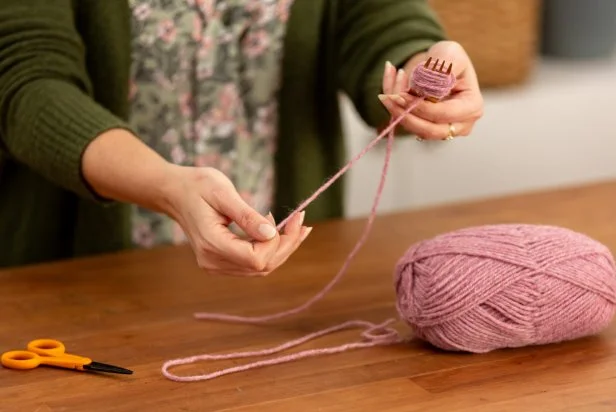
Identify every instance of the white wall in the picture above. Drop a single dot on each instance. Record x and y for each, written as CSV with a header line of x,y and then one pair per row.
x,y
557,129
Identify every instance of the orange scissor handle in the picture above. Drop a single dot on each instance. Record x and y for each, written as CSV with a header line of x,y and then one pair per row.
x,y
20,359
47,347
43,352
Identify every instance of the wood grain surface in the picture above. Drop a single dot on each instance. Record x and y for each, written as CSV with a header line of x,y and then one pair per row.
x,y
135,310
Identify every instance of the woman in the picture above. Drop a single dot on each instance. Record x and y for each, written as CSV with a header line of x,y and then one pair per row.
x,y
206,81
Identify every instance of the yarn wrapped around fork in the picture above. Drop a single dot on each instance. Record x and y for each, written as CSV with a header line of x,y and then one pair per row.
x,y
447,301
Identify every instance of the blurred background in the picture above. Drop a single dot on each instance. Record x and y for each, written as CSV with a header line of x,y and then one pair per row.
x,y
548,75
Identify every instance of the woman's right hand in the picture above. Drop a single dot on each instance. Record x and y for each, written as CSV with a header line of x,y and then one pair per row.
x,y
204,202
119,166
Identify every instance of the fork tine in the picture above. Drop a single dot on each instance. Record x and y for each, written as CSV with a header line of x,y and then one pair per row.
x,y
435,67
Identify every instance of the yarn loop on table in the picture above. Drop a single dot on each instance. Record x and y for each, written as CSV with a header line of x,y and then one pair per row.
x,y
491,287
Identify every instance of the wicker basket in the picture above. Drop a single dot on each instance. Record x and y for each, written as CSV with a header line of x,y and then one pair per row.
x,y
500,36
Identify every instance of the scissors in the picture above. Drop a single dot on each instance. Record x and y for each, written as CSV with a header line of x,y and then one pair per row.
x,y
52,352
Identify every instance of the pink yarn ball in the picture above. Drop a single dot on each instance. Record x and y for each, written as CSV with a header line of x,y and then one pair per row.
x,y
504,286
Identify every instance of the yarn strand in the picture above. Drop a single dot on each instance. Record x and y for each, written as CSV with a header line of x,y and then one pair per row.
x,y
370,340
263,319
386,132
373,334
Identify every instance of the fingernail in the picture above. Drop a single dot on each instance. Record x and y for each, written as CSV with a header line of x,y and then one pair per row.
x,y
267,230
401,73
388,65
382,97
306,233
399,99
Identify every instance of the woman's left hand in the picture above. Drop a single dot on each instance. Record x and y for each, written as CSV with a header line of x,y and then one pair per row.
x,y
453,116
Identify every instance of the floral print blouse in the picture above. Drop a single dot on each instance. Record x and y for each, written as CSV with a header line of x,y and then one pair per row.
x,y
204,86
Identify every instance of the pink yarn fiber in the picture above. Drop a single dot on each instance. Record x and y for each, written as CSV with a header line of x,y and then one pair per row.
x,y
502,286
439,88
427,84
430,83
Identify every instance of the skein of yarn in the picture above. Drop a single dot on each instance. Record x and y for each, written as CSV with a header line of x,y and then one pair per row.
x,y
504,286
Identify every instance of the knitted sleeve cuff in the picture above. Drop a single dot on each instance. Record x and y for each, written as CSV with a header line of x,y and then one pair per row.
x,y
54,121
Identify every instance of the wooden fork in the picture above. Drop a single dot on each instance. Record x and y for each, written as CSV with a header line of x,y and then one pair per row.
x,y
437,69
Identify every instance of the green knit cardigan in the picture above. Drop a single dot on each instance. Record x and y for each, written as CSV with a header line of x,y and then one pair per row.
x,y
64,76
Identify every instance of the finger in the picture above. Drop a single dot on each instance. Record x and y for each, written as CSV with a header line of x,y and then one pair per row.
x,y
451,52
290,240
463,107
217,266
389,78
392,104
229,203
423,128
271,219
402,82
246,255
398,100
463,129
292,246
213,262
433,131
290,235
294,234
212,239
234,271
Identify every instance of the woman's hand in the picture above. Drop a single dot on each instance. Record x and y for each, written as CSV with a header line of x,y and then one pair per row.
x,y
456,113
204,202
119,166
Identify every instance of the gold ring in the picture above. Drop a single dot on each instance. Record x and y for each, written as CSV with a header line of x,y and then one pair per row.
x,y
452,132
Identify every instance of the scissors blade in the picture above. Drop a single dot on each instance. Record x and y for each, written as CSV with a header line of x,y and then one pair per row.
x,y
103,367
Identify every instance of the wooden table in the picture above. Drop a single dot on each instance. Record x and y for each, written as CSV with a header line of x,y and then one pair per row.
x,y
135,310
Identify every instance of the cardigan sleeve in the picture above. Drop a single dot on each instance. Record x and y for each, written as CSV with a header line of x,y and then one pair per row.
x,y
371,32
47,113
